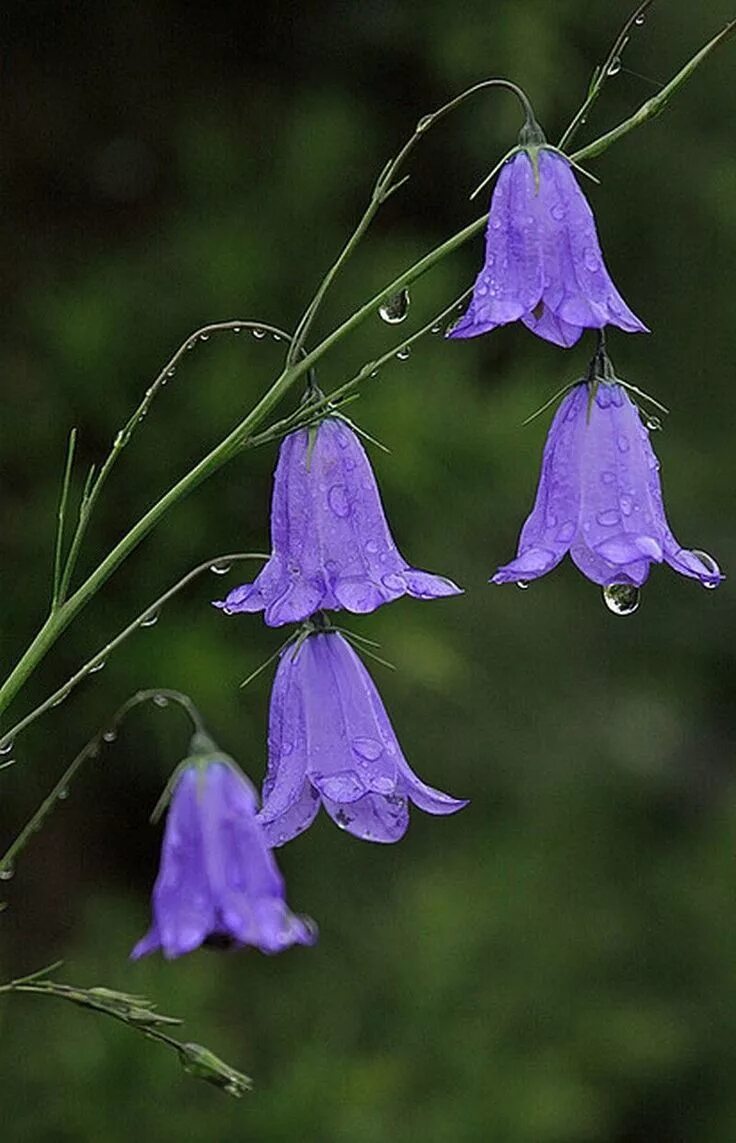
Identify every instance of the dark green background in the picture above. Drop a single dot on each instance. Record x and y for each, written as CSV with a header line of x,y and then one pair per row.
x,y
557,964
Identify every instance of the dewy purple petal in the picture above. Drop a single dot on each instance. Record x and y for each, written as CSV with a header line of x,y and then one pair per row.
x,y
599,497
330,742
332,547
543,261
218,877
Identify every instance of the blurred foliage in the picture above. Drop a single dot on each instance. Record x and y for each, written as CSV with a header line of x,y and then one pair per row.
x,y
555,964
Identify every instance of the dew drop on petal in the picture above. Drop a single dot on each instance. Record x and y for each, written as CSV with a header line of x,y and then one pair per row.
x,y
337,498
368,748
623,443
710,566
394,310
591,260
626,504
558,211
393,581
621,598
566,532
608,518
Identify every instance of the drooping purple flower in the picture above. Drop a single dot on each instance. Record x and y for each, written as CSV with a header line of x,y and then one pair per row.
x,y
330,742
543,260
332,548
600,499
218,882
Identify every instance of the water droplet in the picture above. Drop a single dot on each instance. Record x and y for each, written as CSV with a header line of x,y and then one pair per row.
x,y
372,547
337,498
64,695
404,353
424,123
623,443
63,794
608,518
342,819
639,20
258,333
591,260
558,211
608,477
171,372
160,701
566,532
626,504
653,424
276,336
6,872
621,598
237,329
394,310
436,327
393,581
204,337
97,667
109,735
710,566
220,567
522,584
150,620
368,748
614,67
191,344
6,747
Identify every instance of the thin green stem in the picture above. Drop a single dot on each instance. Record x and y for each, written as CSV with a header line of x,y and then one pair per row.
x,y
100,658
61,518
603,73
385,186
91,750
656,104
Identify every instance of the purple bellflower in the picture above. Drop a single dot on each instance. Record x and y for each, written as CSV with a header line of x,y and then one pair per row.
x,y
218,883
330,742
332,547
600,499
543,261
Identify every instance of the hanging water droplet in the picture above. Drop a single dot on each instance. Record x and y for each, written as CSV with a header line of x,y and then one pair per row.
x,y
614,67
109,735
160,701
6,872
404,353
191,344
63,794
220,567
710,566
204,337
653,424
639,20
150,620
258,333
276,336
97,667
394,310
6,747
621,598
64,695
237,329
424,123
374,373
436,327
171,372
522,584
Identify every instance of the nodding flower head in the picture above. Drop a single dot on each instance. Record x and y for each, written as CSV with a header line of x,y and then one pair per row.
x,y
330,743
218,883
600,499
332,548
543,261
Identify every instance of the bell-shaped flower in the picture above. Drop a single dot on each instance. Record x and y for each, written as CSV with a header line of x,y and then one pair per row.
x,y
330,743
218,883
600,498
332,548
543,261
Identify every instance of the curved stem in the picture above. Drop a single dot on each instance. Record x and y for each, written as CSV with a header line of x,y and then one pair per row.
x,y
104,653
385,186
91,750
